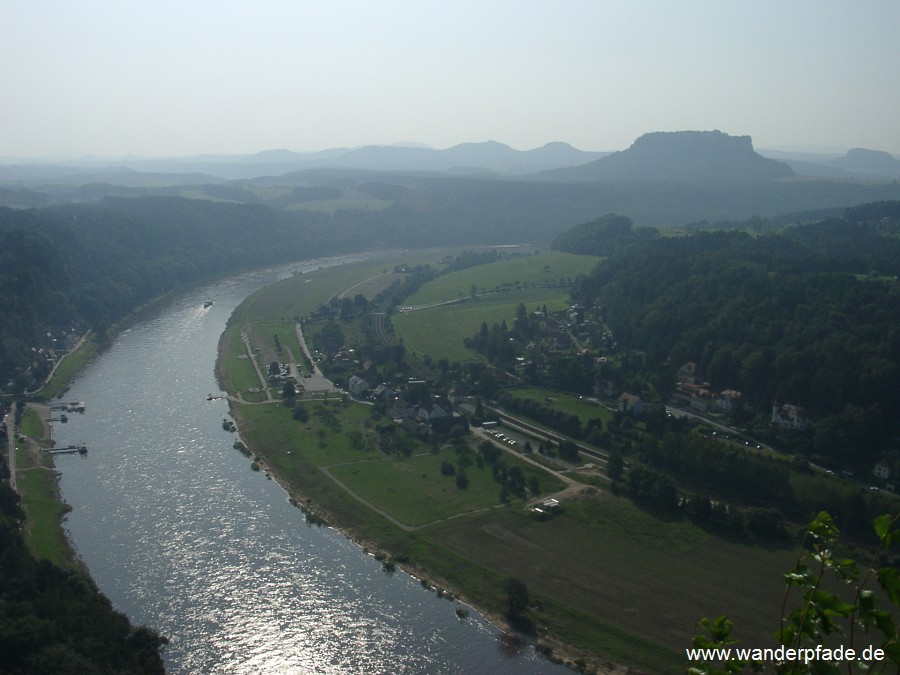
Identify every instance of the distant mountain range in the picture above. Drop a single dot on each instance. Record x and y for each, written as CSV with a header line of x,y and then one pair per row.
x,y
472,159
680,157
465,159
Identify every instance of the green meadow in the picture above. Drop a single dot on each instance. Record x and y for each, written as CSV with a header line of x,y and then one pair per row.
x,y
415,492
36,480
68,367
540,269
440,331
535,280
641,582
583,408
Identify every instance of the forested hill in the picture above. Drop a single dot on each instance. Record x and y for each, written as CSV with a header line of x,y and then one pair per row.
x,y
76,267
806,317
604,236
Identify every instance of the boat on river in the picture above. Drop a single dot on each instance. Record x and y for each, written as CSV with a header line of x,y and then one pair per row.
x,y
208,303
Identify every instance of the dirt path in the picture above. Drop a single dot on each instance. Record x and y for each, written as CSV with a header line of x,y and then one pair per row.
x,y
250,355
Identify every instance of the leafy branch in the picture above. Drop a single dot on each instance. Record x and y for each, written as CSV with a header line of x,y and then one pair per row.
x,y
821,613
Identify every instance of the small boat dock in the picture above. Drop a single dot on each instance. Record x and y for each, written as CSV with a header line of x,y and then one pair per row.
x,y
70,449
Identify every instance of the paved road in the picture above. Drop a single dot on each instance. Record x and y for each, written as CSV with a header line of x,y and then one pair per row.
x,y
316,382
347,290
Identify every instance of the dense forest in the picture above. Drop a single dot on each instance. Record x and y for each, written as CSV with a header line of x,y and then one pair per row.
x,y
75,267
807,316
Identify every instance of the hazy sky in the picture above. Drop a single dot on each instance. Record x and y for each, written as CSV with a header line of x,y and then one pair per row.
x,y
156,78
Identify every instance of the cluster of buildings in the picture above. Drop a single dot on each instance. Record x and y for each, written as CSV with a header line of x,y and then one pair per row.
x,y
693,393
436,414
53,346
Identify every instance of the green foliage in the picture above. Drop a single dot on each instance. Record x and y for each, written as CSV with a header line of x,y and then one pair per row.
x,y
301,414
792,317
604,236
649,486
567,423
90,265
517,605
568,450
615,465
819,612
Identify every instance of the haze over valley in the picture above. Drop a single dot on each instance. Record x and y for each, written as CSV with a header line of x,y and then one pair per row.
x,y
584,315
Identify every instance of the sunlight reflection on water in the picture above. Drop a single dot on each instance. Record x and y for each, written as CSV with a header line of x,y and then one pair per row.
x,y
182,536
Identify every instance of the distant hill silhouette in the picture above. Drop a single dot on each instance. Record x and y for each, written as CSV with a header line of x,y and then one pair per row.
x,y
862,161
486,157
604,236
682,156
489,157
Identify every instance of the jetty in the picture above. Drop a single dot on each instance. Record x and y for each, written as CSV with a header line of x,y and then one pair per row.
x,y
69,449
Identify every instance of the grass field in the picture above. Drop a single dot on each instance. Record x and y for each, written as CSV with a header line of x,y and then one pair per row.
x,y
583,408
540,269
43,533
262,337
236,372
414,491
36,481
302,294
501,287
651,579
273,310
69,366
440,331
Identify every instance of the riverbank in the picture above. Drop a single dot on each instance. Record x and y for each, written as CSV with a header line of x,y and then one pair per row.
x,y
465,586
37,486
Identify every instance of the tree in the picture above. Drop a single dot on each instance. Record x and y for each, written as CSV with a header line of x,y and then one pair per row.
x,y
517,605
615,465
301,414
288,392
479,408
462,480
822,613
568,450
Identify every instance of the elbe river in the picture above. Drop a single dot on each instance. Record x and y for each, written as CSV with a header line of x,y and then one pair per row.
x,y
182,536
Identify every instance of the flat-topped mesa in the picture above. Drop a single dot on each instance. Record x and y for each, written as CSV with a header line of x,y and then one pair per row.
x,y
685,156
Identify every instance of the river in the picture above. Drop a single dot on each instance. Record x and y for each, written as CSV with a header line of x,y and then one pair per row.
x,y
182,536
